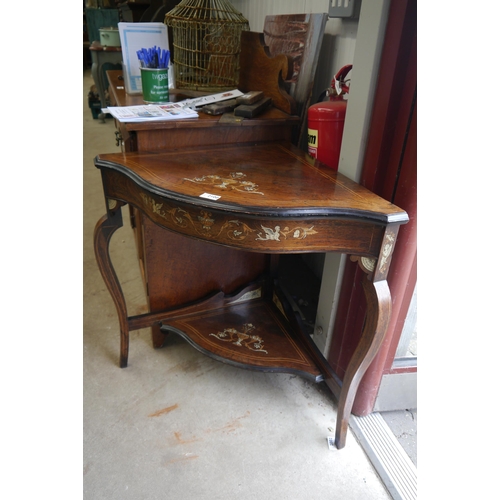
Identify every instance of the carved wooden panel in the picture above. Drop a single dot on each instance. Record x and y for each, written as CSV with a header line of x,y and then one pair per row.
x,y
261,71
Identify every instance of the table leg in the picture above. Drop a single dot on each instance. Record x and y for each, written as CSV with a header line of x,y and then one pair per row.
x,y
103,232
378,297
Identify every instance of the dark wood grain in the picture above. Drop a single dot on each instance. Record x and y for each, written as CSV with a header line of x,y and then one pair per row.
x,y
267,180
208,268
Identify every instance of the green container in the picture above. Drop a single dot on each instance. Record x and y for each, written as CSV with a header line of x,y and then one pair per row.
x,y
154,85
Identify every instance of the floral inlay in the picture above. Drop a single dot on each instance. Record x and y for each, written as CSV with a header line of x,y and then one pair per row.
x,y
386,251
203,224
298,233
207,226
235,182
206,220
242,339
236,230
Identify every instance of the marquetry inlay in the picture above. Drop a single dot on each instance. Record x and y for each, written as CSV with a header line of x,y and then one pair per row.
x,y
235,182
368,263
242,339
206,225
112,204
297,232
387,248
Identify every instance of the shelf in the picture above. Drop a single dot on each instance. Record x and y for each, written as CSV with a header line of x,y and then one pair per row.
x,y
253,334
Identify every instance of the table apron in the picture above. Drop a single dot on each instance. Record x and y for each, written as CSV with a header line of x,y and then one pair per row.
x,y
250,232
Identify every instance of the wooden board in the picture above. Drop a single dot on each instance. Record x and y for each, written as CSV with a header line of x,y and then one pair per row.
x,y
260,71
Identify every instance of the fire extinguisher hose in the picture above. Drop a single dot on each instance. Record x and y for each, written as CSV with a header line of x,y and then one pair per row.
x,y
338,83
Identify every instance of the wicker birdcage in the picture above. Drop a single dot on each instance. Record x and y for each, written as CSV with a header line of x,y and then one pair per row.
x,y
206,44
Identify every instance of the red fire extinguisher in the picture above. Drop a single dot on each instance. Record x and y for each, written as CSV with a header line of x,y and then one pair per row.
x,y
325,122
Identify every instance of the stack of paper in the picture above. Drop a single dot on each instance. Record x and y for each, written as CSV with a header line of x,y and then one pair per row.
x,y
168,111
151,112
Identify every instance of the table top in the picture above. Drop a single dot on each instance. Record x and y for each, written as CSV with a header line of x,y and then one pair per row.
x,y
267,180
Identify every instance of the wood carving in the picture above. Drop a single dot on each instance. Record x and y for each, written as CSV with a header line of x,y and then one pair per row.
x,y
260,71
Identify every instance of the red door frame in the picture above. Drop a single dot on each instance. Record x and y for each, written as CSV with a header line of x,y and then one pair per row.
x,y
390,170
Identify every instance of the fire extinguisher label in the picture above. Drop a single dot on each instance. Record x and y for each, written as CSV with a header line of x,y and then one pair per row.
x,y
312,142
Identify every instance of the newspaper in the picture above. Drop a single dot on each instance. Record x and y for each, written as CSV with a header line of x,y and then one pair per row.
x,y
199,102
169,111
151,112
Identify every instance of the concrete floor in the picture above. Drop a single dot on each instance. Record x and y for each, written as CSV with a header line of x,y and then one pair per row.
x,y
175,424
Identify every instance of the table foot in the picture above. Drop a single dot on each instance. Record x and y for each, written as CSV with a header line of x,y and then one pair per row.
x,y
158,336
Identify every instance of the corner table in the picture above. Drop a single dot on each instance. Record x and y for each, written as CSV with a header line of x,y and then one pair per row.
x,y
265,198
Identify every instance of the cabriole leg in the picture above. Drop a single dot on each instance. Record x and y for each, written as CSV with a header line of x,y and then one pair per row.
x,y
103,232
378,299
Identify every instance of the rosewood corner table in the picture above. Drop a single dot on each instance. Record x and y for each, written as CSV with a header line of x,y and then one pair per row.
x,y
265,198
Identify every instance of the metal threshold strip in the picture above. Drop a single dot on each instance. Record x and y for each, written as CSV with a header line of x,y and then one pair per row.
x,y
396,470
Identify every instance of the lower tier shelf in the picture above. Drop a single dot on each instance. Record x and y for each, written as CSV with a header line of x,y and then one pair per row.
x,y
253,335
